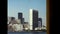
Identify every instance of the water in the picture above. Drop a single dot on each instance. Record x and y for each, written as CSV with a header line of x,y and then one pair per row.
x,y
27,33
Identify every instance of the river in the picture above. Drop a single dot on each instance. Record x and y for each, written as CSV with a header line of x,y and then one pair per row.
x,y
27,33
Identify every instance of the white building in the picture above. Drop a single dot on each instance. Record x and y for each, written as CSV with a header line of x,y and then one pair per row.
x,y
17,27
18,21
30,19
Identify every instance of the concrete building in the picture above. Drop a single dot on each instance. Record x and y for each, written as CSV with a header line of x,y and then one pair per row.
x,y
10,19
10,28
26,26
17,27
13,22
18,21
33,19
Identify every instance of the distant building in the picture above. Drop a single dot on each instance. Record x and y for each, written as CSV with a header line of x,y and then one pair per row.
x,y
10,19
18,21
25,26
20,17
13,22
22,20
33,16
10,27
39,22
25,22
17,27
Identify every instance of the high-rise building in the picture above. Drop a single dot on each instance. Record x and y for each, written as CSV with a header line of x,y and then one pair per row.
x,y
20,17
39,22
33,19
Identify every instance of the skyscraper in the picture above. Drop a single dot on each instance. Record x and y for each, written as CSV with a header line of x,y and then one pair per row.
x,y
20,17
39,22
33,19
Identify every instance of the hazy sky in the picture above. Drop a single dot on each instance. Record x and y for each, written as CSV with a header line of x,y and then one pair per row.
x,y
15,6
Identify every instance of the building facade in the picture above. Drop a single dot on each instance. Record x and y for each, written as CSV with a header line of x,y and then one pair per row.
x,y
10,19
33,19
17,27
20,16
22,20
18,21
39,22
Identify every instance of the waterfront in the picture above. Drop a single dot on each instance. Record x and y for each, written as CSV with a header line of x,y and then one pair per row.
x,y
27,33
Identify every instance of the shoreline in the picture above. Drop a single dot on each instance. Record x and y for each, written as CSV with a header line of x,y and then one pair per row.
x,y
34,31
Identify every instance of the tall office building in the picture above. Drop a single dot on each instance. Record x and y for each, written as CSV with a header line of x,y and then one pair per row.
x,y
33,18
20,17
39,22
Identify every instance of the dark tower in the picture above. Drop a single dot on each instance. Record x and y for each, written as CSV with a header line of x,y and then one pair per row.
x,y
35,19
20,17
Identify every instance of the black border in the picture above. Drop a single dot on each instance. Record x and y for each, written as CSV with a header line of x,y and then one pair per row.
x,y
3,17
53,17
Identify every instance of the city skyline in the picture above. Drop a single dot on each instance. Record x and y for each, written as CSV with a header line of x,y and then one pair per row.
x,y
15,6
